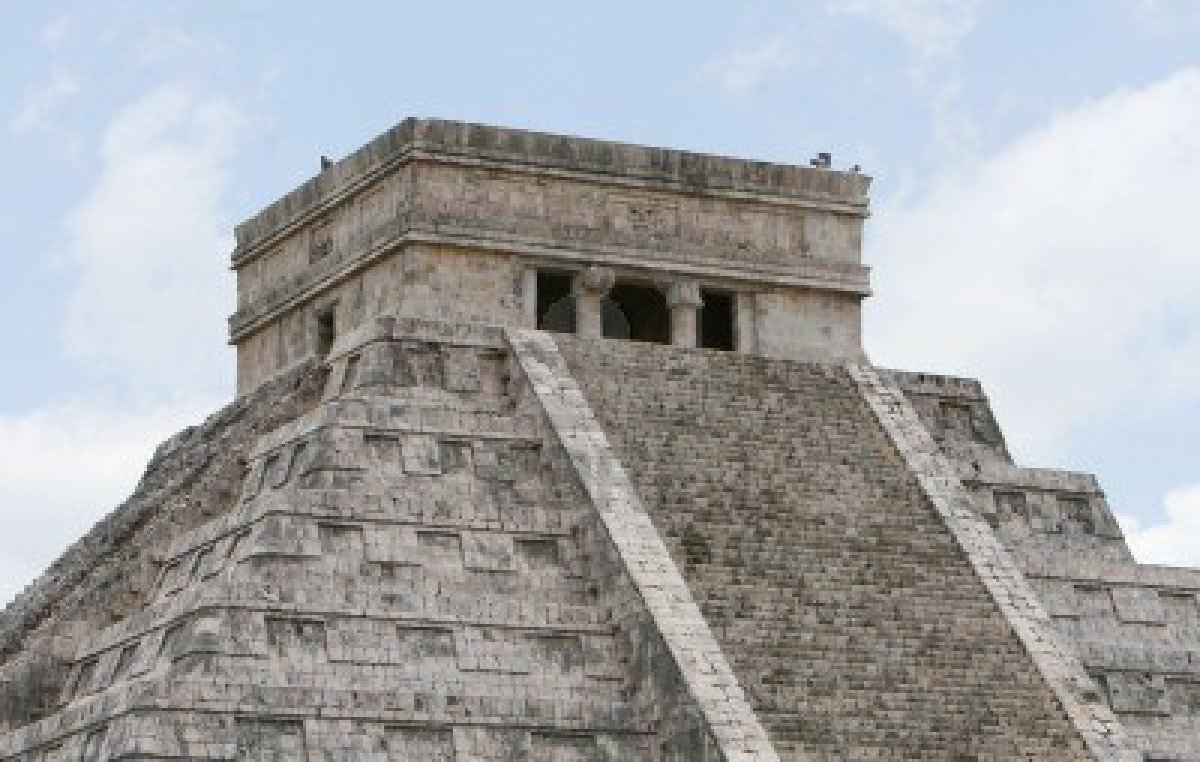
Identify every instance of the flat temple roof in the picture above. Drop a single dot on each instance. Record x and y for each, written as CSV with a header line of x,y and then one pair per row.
x,y
685,170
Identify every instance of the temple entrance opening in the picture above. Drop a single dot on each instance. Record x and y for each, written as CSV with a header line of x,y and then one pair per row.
x,y
645,311
716,320
555,306
326,331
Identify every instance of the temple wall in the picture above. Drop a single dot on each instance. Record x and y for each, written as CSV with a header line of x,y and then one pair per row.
x,y
351,227
802,324
589,212
421,280
790,236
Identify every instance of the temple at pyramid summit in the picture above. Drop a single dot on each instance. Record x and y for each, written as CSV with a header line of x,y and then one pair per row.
x,y
551,448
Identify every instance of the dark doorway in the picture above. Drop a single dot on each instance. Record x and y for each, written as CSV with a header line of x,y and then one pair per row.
x,y
326,331
716,320
645,309
555,307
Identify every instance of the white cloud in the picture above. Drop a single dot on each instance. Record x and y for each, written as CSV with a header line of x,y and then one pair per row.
x,y
150,244
1063,271
742,70
1176,541
933,32
1159,13
56,31
170,46
65,466
148,248
955,133
38,112
930,28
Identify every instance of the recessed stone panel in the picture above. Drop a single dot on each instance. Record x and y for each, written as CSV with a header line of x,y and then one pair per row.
x,y
420,744
391,543
270,740
484,744
564,747
492,649
1137,605
296,638
488,551
557,652
1137,693
461,367
421,455
538,552
437,548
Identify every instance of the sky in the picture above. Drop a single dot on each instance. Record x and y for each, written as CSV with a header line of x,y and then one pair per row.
x,y
1036,165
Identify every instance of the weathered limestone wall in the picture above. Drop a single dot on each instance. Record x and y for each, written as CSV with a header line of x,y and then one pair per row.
x,y
1135,628
285,343
441,554
110,572
1037,513
414,570
655,223
1077,694
806,324
467,285
352,227
851,616
476,146
418,280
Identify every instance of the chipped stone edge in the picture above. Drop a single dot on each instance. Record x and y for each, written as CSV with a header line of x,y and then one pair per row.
x,y
1099,728
709,679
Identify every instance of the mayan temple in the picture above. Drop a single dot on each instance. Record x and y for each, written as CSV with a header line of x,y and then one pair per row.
x,y
550,448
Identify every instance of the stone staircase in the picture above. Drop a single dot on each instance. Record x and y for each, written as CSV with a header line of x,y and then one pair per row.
x,y
863,619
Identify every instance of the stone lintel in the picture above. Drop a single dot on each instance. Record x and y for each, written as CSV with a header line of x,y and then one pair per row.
x,y
813,274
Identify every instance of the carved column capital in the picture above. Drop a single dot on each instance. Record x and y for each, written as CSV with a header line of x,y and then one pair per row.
x,y
684,293
597,281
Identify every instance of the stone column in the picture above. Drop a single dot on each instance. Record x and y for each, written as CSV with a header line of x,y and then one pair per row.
x,y
683,298
590,288
529,281
745,334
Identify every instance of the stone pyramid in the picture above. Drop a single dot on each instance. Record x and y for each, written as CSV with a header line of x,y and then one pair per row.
x,y
426,530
